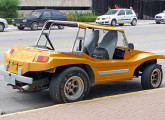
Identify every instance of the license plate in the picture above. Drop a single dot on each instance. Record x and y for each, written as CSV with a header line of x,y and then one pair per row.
x,y
17,24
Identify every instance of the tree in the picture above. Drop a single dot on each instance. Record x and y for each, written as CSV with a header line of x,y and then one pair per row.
x,y
8,8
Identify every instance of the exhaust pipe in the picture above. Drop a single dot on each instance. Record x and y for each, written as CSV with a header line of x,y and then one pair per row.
x,y
26,88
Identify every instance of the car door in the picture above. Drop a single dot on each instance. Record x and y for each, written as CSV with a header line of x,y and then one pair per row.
x,y
121,17
129,16
117,68
46,15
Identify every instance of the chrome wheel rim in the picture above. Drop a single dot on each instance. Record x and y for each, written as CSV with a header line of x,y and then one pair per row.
x,y
35,26
134,22
73,88
1,27
156,78
113,23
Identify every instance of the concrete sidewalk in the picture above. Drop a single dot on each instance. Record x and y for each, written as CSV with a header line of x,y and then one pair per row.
x,y
143,105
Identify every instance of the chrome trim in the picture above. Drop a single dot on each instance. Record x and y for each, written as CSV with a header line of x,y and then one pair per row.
x,y
12,78
113,72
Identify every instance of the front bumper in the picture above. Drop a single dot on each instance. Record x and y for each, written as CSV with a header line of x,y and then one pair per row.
x,y
25,24
103,22
160,20
11,78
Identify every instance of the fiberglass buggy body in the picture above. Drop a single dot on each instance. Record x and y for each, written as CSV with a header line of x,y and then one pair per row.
x,y
69,75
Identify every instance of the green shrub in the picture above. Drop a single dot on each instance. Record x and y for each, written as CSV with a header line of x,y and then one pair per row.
x,y
9,20
8,8
81,17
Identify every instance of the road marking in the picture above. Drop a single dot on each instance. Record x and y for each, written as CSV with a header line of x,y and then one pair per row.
x,y
143,91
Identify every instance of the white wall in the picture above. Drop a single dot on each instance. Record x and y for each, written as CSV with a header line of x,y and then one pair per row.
x,y
73,3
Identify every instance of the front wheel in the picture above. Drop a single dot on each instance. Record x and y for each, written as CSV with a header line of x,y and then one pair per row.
x,y
113,23
152,76
1,27
34,26
20,28
134,22
70,85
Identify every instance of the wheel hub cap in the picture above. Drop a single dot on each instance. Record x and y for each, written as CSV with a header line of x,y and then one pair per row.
x,y
73,88
156,78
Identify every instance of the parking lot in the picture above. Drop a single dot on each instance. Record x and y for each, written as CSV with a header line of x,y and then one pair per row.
x,y
146,36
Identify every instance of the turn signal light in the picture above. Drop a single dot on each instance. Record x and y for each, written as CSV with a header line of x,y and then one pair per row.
x,y
41,58
12,51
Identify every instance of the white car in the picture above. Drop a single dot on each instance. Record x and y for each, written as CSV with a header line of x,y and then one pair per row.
x,y
160,17
118,16
3,24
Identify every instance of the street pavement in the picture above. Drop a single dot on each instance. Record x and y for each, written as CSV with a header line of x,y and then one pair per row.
x,y
146,36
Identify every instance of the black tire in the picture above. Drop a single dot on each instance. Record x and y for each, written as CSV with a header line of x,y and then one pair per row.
x,y
113,22
21,28
151,76
134,22
2,27
63,84
60,27
157,22
34,26
121,24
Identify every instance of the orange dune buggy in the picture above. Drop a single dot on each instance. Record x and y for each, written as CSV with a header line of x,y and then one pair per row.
x,y
103,56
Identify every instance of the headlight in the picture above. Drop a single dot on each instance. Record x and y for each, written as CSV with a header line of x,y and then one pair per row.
x,y
12,20
24,20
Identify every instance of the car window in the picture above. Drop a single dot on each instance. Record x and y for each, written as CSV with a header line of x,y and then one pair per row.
x,y
57,13
112,12
46,14
34,13
129,12
121,12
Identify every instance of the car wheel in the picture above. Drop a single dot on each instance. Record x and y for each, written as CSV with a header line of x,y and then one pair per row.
x,y
113,23
134,22
60,27
157,22
121,24
21,28
151,76
34,26
2,27
70,85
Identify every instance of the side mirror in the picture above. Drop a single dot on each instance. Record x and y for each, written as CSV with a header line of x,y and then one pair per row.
x,y
130,46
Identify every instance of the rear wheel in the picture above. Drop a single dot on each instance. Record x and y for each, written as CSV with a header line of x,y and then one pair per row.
x,y
60,27
70,85
20,28
157,22
2,27
152,76
121,24
134,22
113,23
34,26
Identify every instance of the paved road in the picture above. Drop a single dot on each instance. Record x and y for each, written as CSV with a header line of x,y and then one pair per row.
x,y
148,37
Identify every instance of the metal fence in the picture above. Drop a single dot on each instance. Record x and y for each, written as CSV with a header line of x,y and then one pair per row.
x,y
145,9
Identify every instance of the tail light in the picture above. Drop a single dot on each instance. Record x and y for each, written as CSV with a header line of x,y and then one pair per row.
x,y
41,58
12,51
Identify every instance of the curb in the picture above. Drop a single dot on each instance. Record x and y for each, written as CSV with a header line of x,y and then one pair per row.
x,y
85,101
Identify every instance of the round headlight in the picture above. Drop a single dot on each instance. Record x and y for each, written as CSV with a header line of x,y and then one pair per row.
x,y
24,20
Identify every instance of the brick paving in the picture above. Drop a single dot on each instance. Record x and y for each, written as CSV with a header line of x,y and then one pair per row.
x,y
148,105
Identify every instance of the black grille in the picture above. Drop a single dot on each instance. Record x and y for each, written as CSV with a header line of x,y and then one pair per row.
x,y
158,16
103,18
18,20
